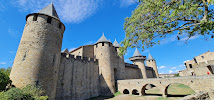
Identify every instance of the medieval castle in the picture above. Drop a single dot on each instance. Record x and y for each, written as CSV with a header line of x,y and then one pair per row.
x,y
88,71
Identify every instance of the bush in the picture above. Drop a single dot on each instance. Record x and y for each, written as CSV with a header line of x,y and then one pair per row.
x,y
27,93
4,78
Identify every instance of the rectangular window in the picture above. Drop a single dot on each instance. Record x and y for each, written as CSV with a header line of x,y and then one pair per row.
x,y
190,65
60,25
49,20
102,44
35,17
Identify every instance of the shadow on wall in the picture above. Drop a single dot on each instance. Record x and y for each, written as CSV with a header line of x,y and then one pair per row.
x,y
104,89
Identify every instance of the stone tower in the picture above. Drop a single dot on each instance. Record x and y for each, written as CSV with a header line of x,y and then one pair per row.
x,y
103,52
38,56
152,63
138,59
120,64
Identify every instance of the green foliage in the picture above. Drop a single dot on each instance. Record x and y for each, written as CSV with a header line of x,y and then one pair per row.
x,y
4,78
176,75
155,19
117,93
27,93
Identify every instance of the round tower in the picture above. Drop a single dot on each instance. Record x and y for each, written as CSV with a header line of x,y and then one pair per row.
x,y
150,62
38,56
103,52
138,59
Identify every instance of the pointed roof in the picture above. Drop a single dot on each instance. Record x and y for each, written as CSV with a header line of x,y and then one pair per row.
x,y
150,57
116,44
65,51
102,39
137,53
50,10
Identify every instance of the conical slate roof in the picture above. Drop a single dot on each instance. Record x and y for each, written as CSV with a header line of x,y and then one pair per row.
x,y
136,53
50,10
150,57
65,51
116,44
102,39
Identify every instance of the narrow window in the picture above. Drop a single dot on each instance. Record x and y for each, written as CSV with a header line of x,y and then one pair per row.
x,y
102,44
49,20
109,44
35,17
60,25
190,65
96,46
195,60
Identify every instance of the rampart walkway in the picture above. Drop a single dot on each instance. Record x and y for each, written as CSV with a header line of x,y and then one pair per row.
x,y
202,83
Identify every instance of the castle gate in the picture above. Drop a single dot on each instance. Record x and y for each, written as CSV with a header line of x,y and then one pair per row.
x,y
200,83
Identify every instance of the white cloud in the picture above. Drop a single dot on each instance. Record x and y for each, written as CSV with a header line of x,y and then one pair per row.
x,y
173,68
72,11
170,71
3,63
13,33
145,51
181,66
186,61
89,43
162,67
125,3
12,52
71,49
168,39
191,38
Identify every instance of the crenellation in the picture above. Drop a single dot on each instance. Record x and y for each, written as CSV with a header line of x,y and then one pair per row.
x,y
88,71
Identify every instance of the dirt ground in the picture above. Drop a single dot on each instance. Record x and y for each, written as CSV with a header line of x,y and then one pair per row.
x,y
132,97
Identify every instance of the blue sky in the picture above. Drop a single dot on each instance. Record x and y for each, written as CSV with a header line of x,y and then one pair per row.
x,y
85,22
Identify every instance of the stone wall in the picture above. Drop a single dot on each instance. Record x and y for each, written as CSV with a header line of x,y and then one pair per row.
x,y
150,73
78,78
133,73
78,51
88,51
205,95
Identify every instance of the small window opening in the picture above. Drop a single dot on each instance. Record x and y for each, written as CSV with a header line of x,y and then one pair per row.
x,y
109,44
202,57
60,25
195,60
102,44
35,17
96,46
190,65
49,20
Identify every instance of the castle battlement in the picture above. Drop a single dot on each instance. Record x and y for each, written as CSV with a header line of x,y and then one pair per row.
x,y
80,58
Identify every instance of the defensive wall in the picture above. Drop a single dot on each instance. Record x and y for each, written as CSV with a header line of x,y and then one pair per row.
x,y
133,86
78,78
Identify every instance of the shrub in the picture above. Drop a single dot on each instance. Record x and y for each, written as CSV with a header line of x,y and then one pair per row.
x,y
4,78
27,93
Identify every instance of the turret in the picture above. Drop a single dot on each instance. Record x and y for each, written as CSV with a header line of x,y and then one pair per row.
x,y
138,59
150,62
38,56
103,52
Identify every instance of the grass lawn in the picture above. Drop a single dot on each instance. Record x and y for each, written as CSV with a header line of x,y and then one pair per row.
x,y
174,89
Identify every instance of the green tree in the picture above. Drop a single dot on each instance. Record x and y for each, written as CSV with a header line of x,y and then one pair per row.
x,y
154,19
4,78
